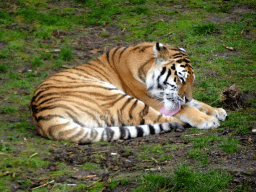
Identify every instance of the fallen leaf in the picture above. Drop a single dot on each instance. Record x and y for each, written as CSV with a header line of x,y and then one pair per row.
x,y
229,48
96,50
44,50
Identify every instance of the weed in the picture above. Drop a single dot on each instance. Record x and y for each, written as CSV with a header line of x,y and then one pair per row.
x,y
58,173
229,145
37,61
80,187
102,143
199,155
97,187
104,34
44,33
202,142
26,183
4,148
186,179
90,165
155,148
196,154
66,54
113,184
9,109
137,2
153,182
204,29
171,147
165,157
3,68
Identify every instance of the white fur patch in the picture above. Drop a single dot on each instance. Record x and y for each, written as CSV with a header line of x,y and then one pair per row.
x,y
182,49
182,73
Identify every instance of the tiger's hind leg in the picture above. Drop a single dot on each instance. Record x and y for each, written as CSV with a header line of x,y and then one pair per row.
x,y
106,115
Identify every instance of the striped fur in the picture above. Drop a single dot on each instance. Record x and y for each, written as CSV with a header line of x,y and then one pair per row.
x,y
116,96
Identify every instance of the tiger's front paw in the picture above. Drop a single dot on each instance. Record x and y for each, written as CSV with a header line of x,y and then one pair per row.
x,y
219,113
207,122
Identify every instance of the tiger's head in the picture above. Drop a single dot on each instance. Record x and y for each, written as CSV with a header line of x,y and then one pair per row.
x,y
170,77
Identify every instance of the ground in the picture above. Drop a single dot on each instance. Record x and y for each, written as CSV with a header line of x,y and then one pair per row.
x,y
67,34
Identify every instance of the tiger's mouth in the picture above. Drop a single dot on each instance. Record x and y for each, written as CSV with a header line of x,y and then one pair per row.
x,y
172,100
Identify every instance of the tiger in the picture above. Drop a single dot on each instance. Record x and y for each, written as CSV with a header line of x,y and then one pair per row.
x,y
128,92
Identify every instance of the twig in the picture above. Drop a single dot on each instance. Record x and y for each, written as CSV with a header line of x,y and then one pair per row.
x,y
193,134
114,174
33,155
44,184
5,154
99,151
93,183
154,159
66,67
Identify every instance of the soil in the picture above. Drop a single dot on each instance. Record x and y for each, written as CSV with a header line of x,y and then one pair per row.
x,y
122,158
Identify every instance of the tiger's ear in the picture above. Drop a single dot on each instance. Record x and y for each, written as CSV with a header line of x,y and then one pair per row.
x,y
159,50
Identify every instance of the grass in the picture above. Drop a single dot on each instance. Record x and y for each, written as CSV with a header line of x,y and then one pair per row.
x,y
90,165
185,179
39,38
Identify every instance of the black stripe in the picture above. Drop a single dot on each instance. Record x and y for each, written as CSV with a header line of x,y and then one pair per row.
x,y
79,86
158,78
144,111
58,75
122,53
151,129
168,75
163,71
47,117
176,55
137,47
107,54
126,103
113,102
114,54
132,108
110,133
56,106
140,131
187,61
142,122
179,61
52,98
106,77
99,61
129,134
144,48
173,67
74,119
161,127
122,132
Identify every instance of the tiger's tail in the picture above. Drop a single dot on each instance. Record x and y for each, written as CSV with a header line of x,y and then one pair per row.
x,y
75,133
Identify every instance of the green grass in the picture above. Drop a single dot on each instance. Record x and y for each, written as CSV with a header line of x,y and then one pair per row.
x,y
185,179
203,141
229,145
38,38
66,54
189,180
90,165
